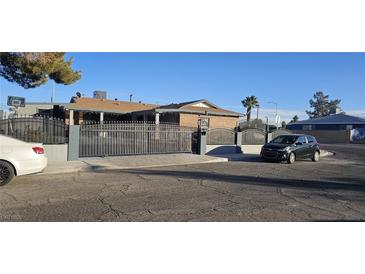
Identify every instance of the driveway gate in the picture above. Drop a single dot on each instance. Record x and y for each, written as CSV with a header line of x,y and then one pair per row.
x,y
133,138
253,136
221,136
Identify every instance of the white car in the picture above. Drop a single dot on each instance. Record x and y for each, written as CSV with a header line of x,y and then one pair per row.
x,y
19,158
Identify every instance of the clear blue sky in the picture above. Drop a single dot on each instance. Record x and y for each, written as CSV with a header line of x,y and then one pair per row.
x,y
223,78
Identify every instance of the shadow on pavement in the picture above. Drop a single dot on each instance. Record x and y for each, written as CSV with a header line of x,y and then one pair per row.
x,y
239,157
356,185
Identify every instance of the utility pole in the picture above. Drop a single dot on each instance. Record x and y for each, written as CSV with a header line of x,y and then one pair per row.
x,y
53,91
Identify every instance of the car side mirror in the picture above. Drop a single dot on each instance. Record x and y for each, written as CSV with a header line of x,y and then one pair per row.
x,y
299,143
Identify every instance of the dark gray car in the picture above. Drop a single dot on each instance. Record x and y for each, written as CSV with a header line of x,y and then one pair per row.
x,y
291,147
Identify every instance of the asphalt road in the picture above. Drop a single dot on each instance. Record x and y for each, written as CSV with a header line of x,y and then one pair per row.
x,y
331,190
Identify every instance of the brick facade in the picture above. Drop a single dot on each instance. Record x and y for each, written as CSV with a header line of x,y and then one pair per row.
x,y
191,120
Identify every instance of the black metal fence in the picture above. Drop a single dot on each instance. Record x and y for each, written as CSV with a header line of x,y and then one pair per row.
x,y
44,130
133,138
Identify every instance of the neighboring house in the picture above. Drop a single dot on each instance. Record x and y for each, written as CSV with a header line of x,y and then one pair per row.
x,y
188,114
34,108
335,128
340,121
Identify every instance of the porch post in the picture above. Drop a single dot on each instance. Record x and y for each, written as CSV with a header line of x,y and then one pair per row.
x,y
101,117
157,118
72,117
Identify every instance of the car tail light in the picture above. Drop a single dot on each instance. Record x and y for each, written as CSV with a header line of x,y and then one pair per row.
x,y
38,150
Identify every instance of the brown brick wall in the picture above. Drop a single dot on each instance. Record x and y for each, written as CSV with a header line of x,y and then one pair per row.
x,y
191,120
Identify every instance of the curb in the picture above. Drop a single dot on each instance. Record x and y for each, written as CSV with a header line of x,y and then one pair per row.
x,y
91,167
100,168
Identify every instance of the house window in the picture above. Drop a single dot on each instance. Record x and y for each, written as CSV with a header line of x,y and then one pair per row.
x,y
307,127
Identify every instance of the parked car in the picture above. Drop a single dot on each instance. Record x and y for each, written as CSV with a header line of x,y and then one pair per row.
x,y
19,158
290,148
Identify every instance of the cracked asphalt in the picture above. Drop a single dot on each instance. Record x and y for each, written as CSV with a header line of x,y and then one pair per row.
x,y
331,190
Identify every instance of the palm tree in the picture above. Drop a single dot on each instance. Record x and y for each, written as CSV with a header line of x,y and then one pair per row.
x,y
249,103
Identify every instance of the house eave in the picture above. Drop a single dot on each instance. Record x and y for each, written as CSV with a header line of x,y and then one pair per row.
x,y
200,112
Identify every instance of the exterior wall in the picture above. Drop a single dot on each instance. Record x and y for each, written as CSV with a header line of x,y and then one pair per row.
x,y
33,109
81,117
169,118
328,136
325,126
191,120
56,153
251,149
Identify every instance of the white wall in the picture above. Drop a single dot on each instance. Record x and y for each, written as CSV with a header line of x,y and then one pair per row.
x,y
251,149
56,153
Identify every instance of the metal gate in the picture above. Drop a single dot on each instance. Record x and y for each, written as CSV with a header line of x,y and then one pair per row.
x,y
132,138
253,136
221,136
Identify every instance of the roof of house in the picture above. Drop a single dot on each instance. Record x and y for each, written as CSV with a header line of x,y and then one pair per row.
x,y
111,106
104,105
44,103
198,106
334,119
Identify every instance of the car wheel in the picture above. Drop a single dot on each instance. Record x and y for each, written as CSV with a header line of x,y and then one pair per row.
x,y
6,173
315,157
291,158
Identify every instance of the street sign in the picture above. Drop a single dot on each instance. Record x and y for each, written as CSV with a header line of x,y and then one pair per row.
x,y
277,119
15,101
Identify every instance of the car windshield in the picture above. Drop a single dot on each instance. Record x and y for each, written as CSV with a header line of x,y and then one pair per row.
x,y
285,139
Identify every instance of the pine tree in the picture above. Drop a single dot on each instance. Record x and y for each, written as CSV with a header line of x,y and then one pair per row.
x,y
321,105
32,69
294,119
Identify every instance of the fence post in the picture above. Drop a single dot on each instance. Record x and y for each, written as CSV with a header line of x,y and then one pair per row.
x,y
268,137
238,141
73,142
202,142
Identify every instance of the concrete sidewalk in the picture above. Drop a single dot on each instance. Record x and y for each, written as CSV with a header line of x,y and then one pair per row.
x,y
144,161
130,162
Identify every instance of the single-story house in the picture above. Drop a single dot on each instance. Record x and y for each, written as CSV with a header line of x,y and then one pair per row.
x,y
99,109
188,114
340,121
185,114
334,128
35,108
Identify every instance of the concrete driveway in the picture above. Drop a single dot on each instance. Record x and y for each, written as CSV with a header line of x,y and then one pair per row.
x,y
251,190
